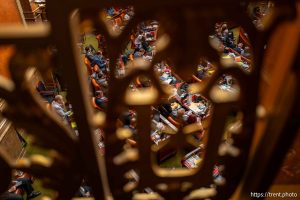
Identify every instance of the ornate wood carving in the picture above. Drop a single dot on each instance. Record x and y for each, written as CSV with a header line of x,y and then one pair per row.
x,y
187,26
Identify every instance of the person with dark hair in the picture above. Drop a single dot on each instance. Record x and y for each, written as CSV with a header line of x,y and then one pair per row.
x,y
126,118
228,38
100,100
229,42
240,48
110,11
139,53
98,78
165,109
124,58
246,53
145,44
96,59
100,61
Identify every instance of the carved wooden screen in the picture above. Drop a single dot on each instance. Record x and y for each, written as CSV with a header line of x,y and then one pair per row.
x,y
187,26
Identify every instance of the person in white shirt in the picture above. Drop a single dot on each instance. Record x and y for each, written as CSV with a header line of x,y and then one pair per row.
x,y
58,105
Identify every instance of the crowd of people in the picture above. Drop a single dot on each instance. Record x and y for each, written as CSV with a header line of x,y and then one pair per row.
x,y
235,47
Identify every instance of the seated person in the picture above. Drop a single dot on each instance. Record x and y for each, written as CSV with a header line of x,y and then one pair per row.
x,y
165,110
189,117
139,53
217,174
226,80
138,40
58,105
131,125
88,53
167,77
196,98
245,66
98,78
184,98
97,59
156,121
201,72
89,50
145,44
246,53
240,48
129,122
100,101
228,39
102,62
155,115
178,114
182,89
23,183
126,117
201,103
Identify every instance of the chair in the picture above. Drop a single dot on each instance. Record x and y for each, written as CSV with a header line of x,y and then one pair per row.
x,y
95,86
195,78
44,92
88,65
174,122
95,105
48,106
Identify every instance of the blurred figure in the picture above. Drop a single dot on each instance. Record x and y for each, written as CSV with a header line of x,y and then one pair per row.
x,y
22,184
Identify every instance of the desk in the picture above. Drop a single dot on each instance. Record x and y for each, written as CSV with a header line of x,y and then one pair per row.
x,y
192,159
168,128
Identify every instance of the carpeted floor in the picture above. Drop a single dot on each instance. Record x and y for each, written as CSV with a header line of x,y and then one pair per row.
x,y
90,39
